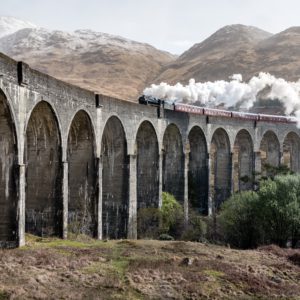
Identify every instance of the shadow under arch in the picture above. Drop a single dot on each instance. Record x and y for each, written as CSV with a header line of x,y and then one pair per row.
x,y
198,171
82,208
173,163
269,151
8,173
220,173
43,206
291,151
147,176
115,180
243,161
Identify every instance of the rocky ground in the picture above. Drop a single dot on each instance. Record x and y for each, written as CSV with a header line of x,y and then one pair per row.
x,y
89,269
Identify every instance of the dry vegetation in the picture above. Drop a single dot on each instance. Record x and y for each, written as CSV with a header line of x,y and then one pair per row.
x,y
89,269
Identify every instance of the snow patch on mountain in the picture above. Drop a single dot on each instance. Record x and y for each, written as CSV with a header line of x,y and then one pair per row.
x,y
9,25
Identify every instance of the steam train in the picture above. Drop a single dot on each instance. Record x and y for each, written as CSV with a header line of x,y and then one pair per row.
x,y
187,108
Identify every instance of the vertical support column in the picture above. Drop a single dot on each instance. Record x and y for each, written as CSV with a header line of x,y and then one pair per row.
x,y
21,205
65,199
99,168
231,166
281,158
160,179
186,188
132,213
210,191
257,168
99,198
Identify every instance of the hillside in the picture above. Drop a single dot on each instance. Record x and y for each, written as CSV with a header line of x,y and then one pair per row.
x,y
238,49
100,62
89,269
122,68
9,25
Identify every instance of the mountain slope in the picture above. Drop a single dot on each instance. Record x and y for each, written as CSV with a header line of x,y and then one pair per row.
x,y
9,25
280,54
100,62
229,50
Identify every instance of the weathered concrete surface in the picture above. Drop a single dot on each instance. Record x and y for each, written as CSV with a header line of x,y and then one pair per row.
x,y
243,162
44,173
8,174
82,170
67,158
115,193
198,171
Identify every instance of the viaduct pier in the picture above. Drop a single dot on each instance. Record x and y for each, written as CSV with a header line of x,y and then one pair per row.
x,y
71,160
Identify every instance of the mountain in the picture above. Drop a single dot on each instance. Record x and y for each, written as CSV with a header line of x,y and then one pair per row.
x,y
228,51
103,63
9,25
280,54
122,68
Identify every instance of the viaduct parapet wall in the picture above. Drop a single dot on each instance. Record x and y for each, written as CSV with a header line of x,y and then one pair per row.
x,y
73,161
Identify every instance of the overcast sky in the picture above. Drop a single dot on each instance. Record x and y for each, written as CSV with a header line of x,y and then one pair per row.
x,y
172,25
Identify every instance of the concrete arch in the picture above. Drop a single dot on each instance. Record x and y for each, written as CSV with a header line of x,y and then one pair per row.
x,y
198,170
147,174
91,120
243,161
8,173
261,135
146,120
54,111
211,134
220,171
82,175
202,128
43,205
12,112
173,162
104,123
291,151
115,179
269,151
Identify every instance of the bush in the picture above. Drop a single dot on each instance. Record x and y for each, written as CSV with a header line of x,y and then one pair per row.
x,y
196,229
272,215
165,237
239,220
172,217
167,223
280,209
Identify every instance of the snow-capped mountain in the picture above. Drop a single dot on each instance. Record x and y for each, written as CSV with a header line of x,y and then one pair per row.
x,y
101,62
9,25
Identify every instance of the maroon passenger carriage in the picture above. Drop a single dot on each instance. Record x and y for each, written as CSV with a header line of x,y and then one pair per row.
x,y
193,109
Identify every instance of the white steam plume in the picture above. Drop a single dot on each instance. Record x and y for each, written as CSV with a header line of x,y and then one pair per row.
x,y
233,93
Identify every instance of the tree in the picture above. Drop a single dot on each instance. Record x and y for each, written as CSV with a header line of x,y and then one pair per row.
x,y
280,208
239,219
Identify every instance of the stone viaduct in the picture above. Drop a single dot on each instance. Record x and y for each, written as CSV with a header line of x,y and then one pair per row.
x,y
71,160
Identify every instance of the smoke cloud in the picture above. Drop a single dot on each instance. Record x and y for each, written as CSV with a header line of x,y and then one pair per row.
x,y
233,93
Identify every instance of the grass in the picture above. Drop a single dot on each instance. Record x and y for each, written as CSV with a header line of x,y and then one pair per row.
x,y
85,268
214,273
3,295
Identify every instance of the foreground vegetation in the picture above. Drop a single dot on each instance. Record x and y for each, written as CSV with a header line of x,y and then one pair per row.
x,y
270,215
146,269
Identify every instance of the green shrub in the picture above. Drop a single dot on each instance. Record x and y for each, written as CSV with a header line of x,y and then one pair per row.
x,y
196,228
280,209
172,216
165,237
272,215
239,219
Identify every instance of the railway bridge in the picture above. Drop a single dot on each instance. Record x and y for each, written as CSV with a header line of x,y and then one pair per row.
x,y
71,160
